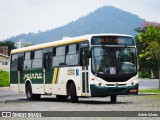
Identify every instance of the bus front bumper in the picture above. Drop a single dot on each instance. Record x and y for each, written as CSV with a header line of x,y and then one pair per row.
x,y
103,91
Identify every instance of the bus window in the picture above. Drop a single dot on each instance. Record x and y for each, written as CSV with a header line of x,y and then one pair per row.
x,y
72,49
72,55
37,61
59,59
60,51
20,61
27,55
14,62
27,60
38,54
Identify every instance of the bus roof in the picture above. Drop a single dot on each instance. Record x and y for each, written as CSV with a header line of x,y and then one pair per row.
x,y
62,42
49,44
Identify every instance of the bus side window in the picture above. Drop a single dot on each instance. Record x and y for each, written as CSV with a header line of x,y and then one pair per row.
x,y
72,54
59,58
20,61
27,60
14,62
37,59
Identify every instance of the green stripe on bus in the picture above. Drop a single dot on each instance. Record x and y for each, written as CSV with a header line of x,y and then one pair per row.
x,y
13,77
36,76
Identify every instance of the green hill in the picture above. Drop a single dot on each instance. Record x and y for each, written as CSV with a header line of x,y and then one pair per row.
x,y
103,20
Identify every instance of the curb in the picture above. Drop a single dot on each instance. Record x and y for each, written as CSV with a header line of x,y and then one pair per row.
x,y
148,93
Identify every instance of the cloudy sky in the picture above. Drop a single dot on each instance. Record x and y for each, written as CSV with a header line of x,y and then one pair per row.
x,y
23,16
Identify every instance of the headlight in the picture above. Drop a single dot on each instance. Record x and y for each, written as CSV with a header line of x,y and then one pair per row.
x,y
134,81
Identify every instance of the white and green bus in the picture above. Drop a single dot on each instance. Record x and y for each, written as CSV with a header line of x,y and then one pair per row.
x,y
97,65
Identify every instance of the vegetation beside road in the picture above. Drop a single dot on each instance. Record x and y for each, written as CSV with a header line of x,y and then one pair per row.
x,y
4,78
150,91
148,49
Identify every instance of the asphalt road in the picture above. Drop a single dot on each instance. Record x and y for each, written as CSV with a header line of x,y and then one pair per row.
x,y
143,103
143,84
11,101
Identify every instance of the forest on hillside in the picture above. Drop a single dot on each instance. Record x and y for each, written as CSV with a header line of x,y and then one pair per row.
x,y
103,20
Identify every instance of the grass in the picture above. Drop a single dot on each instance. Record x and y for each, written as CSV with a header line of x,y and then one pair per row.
x,y
4,78
150,91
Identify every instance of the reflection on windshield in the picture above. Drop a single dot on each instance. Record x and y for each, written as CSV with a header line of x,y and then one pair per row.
x,y
113,60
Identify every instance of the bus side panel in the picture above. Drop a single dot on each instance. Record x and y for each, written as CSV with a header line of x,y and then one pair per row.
x,y
14,81
37,80
48,80
14,77
59,81
61,78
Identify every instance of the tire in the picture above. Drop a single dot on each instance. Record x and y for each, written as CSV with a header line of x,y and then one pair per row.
x,y
62,97
36,96
113,98
73,93
29,93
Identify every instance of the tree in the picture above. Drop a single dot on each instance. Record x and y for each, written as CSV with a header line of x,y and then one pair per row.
x,y
28,44
10,45
149,36
147,68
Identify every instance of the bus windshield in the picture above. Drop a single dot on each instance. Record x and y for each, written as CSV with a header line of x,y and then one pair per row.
x,y
114,61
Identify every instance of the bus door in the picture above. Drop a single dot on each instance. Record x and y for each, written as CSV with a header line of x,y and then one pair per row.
x,y
84,58
48,72
20,73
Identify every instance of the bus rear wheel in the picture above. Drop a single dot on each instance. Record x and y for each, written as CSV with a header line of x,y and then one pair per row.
x,y
113,98
73,93
29,93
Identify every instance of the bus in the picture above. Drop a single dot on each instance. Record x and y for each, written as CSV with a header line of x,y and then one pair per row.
x,y
95,65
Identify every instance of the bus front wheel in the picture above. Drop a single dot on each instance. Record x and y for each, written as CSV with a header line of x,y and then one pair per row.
x,y
73,93
113,98
29,93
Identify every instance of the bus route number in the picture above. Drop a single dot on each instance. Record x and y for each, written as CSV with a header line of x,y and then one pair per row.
x,y
71,72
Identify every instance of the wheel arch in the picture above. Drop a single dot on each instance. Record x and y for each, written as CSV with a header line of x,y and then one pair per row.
x,y
68,85
26,83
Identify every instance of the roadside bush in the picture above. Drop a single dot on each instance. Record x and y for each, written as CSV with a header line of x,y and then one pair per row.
x,y
4,78
144,74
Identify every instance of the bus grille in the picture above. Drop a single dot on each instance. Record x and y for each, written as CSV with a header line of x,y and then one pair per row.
x,y
118,91
123,79
115,85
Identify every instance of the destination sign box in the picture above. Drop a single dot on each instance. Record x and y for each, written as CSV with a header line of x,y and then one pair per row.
x,y
112,40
